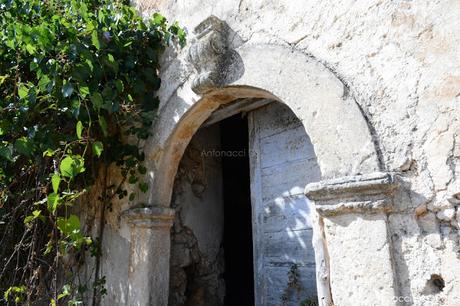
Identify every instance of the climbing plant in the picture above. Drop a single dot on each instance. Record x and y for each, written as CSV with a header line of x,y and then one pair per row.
x,y
77,95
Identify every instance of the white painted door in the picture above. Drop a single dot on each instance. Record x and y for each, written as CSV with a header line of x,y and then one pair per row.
x,y
282,162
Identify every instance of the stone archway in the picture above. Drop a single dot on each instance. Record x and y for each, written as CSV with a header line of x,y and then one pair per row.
x,y
223,72
331,118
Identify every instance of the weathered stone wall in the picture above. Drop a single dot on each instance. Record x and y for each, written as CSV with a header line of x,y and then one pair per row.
x,y
401,62
197,262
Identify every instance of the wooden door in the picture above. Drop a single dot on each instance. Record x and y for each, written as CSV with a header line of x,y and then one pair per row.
x,y
282,162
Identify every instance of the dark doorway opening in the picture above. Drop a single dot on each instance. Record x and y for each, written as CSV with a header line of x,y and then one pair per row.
x,y
237,242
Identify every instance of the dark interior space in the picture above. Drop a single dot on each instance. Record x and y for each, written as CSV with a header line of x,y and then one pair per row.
x,y
239,274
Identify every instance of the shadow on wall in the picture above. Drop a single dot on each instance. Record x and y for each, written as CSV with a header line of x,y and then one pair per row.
x,y
416,235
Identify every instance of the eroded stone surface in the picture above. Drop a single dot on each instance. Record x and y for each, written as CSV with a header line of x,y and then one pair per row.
x,y
400,61
359,254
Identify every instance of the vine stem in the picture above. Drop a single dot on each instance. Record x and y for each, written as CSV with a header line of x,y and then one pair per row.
x,y
96,299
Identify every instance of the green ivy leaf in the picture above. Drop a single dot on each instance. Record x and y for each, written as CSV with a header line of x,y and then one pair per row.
x,y
95,40
3,78
6,151
49,248
35,214
43,82
66,167
103,125
84,91
71,166
66,291
23,91
32,96
68,225
142,169
132,196
90,64
52,200
55,181
97,101
143,186
158,19
98,147
33,66
79,129
75,108
49,153
31,49
23,146
132,179
119,85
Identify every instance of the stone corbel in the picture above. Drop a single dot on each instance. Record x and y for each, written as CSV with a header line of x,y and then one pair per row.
x,y
372,193
148,277
212,56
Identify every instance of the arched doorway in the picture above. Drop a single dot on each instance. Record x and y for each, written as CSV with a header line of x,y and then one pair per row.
x,y
332,120
242,232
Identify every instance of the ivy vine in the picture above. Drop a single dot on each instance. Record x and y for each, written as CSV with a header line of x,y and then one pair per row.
x,y
77,79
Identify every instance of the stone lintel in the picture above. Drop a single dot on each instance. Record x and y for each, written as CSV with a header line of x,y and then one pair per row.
x,y
367,193
150,217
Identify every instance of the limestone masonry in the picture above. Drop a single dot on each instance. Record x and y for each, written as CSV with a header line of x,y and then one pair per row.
x,y
353,113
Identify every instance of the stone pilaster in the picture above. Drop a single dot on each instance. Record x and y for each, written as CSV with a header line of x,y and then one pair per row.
x,y
354,216
148,274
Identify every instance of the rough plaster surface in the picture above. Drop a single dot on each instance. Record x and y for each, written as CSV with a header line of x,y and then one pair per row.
x,y
197,262
400,61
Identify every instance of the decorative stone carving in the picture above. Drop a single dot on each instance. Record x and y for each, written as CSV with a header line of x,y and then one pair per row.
x,y
216,63
369,193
